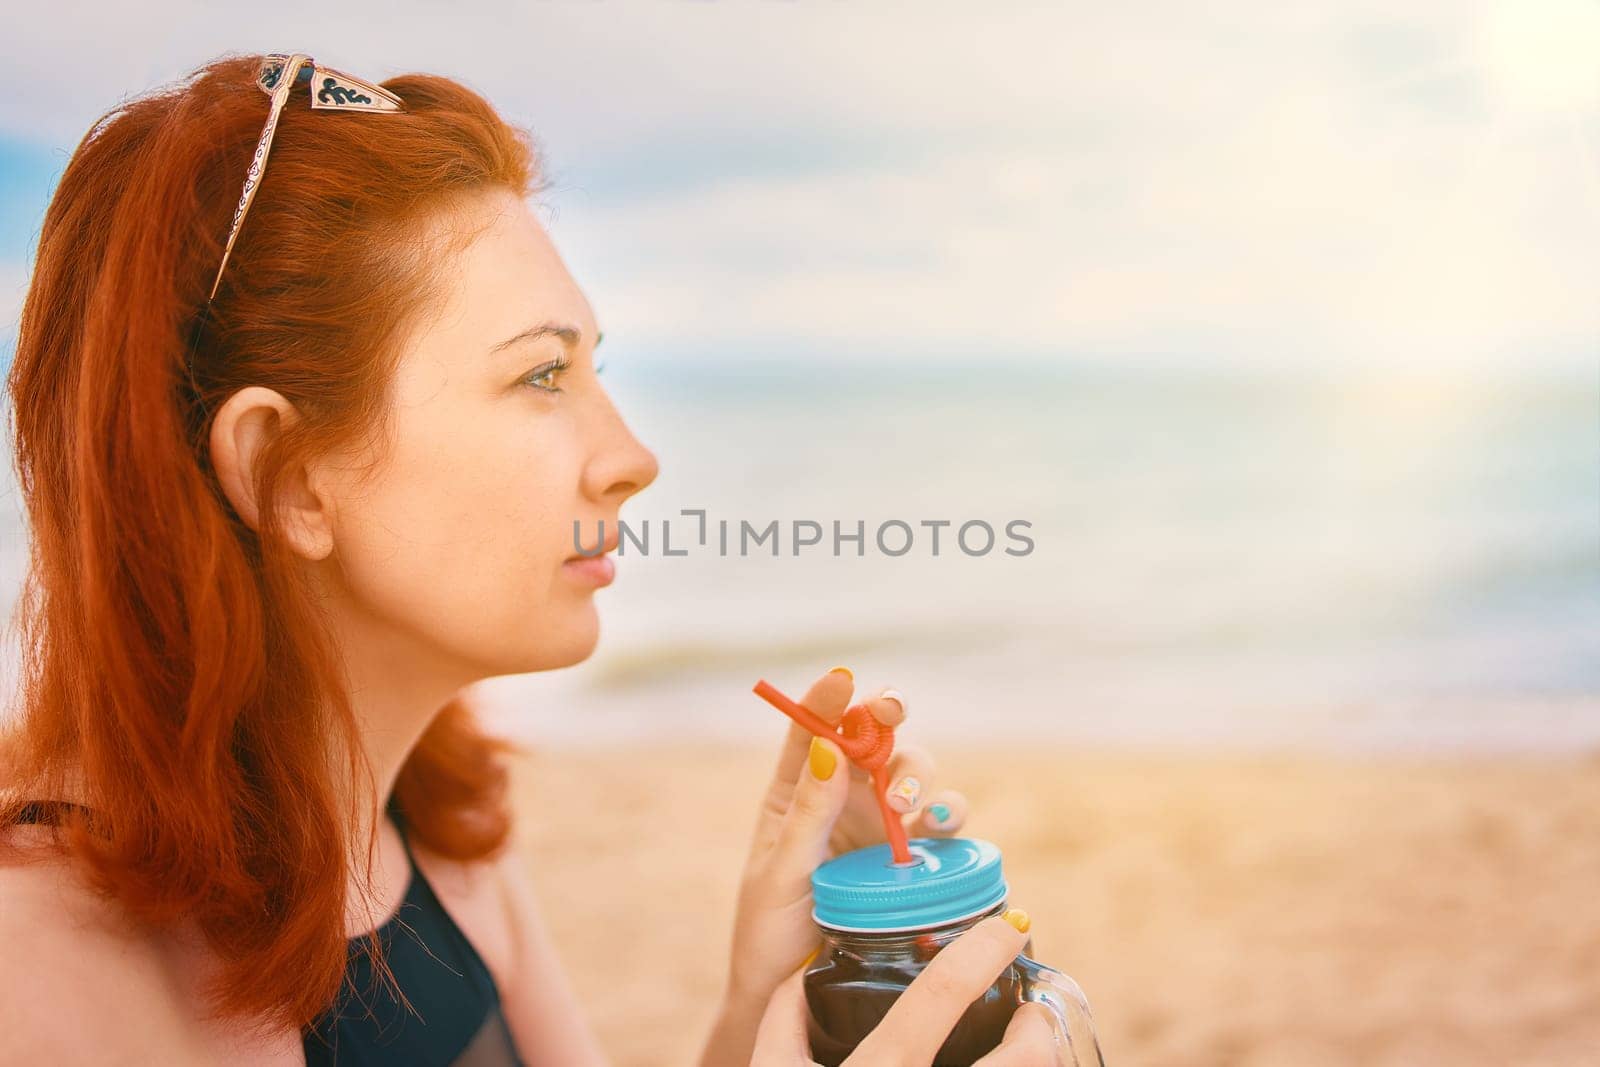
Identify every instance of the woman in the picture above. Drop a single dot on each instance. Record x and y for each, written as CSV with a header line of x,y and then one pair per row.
x,y
294,481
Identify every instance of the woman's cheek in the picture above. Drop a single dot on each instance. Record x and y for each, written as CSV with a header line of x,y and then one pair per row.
x,y
501,594
406,558
467,552
397,561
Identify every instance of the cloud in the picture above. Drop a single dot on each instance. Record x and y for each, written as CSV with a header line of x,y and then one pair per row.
x,y
1254,182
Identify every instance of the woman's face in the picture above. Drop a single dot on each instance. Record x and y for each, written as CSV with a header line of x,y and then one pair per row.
x,y
457,542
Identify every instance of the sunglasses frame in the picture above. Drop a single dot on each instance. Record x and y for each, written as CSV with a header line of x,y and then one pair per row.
x,y
280,74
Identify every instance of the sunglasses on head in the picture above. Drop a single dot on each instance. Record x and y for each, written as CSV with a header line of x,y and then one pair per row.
x,y
280,75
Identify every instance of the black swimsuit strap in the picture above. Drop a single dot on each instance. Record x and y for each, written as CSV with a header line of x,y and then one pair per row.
x,y
44,812
455,1016
35,812
404,830
419,891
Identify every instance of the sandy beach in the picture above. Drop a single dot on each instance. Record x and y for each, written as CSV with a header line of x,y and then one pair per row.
x,y
1218,911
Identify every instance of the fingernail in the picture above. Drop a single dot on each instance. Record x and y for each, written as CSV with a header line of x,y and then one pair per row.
x,y
894,695
940,813
1018,918
844,671
807,961
822,760
905,793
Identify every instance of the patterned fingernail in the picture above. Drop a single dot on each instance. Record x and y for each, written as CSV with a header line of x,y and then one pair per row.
x,y
844,671
940,813
904,794
1018,918
822,760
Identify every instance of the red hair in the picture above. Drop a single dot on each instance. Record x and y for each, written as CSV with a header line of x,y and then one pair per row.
x,y
170,656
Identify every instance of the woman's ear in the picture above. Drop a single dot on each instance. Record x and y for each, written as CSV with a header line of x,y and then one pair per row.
x,y
249,421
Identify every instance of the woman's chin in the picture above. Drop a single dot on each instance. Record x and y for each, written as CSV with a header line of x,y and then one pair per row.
x,y
575,644
544,644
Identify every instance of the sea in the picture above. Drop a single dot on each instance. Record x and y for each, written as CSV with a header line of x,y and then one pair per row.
x,y
1148,556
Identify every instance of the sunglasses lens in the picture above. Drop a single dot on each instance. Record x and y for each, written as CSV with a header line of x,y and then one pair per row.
x,y
272,70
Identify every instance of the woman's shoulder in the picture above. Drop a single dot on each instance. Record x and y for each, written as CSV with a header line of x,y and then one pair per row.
x,y
80,982
50,906
77,980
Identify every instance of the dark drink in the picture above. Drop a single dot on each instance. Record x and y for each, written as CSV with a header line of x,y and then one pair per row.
x,y
881,923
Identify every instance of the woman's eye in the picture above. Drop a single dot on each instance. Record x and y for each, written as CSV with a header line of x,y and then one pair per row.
x,y
544,377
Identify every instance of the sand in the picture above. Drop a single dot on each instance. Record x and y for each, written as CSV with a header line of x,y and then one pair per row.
x,y
1226,911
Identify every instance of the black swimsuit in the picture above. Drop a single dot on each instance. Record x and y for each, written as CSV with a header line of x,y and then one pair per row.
x,y
455,1018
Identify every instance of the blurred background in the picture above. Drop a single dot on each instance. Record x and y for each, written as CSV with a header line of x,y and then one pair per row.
x,y
1279,324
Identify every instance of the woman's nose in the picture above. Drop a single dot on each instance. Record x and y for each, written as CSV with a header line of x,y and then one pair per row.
x,y
622,467
644,471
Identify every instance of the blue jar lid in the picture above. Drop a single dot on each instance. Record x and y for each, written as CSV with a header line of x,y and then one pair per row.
x,y
949,878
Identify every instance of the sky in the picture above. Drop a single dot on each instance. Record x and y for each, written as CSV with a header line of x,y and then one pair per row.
x,y
1410,186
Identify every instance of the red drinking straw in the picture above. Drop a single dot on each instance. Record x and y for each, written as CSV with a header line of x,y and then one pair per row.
x,y
867,743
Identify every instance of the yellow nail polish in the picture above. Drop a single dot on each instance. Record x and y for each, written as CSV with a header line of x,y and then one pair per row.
x,y
807,961
1018,918
822,760
846,671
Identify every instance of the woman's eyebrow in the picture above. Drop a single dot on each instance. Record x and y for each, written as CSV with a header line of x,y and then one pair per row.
x,y
570,335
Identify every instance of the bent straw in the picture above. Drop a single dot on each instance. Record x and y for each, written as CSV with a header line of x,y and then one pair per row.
x,y
865,741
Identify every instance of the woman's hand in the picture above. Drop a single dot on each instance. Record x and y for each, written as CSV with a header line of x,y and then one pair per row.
x,y
921,1018
818,805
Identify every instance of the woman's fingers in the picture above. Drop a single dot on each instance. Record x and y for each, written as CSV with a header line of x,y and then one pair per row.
x,y
920,1019
802,836
944,812
1029,1041
828,697
888,706
911,771
781,1039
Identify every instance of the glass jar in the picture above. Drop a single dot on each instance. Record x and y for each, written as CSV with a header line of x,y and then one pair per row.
x,y
881,923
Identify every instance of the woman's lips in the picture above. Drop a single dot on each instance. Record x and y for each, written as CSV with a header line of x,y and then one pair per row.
x,y
596,567
599,570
